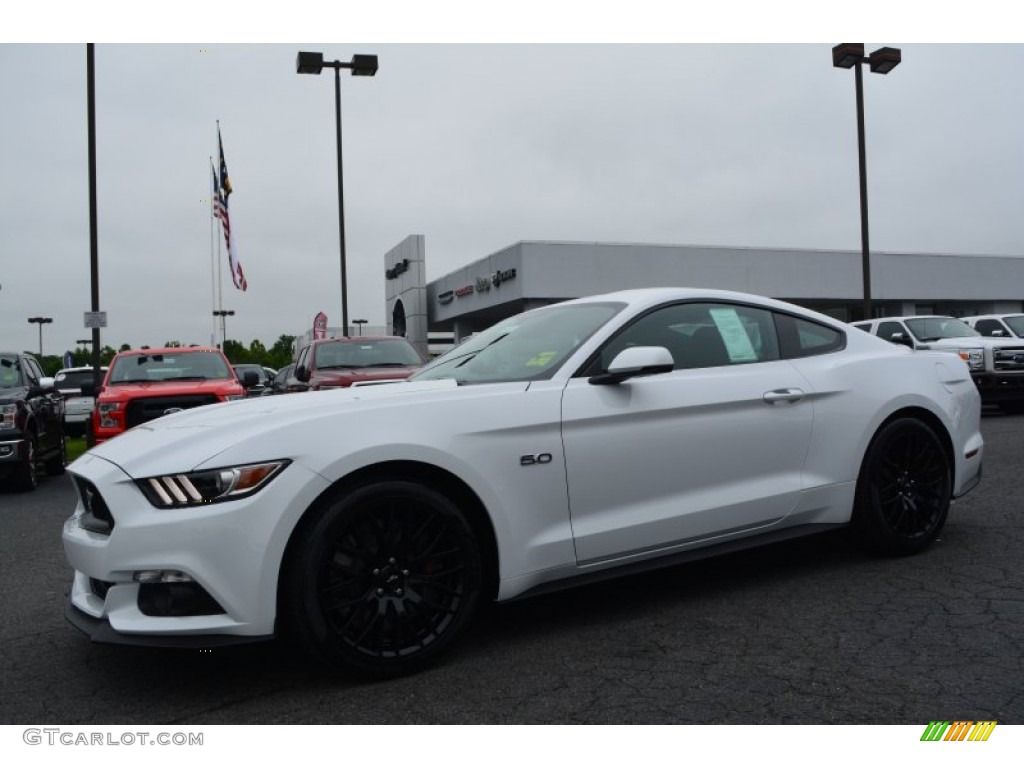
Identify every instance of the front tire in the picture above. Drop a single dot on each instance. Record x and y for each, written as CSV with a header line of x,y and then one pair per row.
x,y
26,475
381,579
904,489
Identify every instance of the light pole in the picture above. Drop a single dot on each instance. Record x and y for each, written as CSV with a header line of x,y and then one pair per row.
x,y
41,321
363,65
882,61
223,314
360,323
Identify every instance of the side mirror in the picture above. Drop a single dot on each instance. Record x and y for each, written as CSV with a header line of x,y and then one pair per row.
x,y
88,389
250,379
635,361
901,338
998,332
46,383
302,373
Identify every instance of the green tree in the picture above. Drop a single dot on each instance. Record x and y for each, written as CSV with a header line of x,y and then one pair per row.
x,y
280,354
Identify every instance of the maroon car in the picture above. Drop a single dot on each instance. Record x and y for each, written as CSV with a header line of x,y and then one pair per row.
x,y
342,362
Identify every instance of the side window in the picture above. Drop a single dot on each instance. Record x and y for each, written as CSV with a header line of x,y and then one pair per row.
x,y
32,371
804,338
700,335
887,329
986,327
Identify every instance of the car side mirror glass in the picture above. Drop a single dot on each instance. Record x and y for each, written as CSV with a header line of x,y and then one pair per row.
x,y
302,373
250,379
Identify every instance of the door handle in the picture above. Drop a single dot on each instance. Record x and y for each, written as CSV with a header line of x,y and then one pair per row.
x,y
789,395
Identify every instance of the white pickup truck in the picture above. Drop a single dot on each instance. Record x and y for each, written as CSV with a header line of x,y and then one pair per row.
x,y
997,364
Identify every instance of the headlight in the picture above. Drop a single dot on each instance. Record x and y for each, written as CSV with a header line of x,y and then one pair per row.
x,y
107,411
975,358
7,416
209,486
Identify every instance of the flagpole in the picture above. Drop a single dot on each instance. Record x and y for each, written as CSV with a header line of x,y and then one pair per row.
x,y
213,263
220,287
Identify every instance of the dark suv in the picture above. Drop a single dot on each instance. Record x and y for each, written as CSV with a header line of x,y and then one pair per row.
x,y
31,422
342,362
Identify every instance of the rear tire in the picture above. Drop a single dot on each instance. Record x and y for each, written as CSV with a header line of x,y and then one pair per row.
x,y
904,489
381,579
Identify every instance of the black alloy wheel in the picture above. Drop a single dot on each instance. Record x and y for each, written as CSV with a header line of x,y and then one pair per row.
x,y
904,489
26,475
382,579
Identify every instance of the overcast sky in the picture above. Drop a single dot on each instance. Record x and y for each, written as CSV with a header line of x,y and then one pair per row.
x,y
475,146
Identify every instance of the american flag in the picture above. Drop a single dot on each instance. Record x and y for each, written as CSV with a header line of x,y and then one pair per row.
x,y
222,188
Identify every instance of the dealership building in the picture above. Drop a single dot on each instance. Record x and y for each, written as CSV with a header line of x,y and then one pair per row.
x,y
531,274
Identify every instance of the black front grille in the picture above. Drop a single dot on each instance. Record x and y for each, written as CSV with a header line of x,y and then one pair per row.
x,y
100,588
177,599
144,409
97,517
1008,359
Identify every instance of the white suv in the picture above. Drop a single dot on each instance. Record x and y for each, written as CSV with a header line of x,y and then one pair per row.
x,y
77,407
997,365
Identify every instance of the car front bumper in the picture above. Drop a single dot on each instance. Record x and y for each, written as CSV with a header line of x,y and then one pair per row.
x,y
11,452
185,572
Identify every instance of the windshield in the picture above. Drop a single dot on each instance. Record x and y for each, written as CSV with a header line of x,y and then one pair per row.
x,y
72,379
10,375
935,328
1016,323
176,366
525,347
366,353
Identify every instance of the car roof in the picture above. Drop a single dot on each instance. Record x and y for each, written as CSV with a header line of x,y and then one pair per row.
x,y
166,351
80,368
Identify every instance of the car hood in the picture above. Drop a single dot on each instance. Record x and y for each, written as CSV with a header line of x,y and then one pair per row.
x,y
346,376
9,394
112,392
973,341
286,426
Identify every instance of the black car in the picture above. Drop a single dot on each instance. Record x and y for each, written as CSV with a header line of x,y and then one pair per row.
x,y
285,382
254,387
31,422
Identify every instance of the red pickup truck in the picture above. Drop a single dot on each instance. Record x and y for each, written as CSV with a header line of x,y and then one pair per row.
x,y
145,384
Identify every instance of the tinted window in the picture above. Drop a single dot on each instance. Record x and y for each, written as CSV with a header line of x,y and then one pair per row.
x,y
888,329
72,379
169,366
700,335
934,328
1016,323
803,338
10,375
986,327
366,353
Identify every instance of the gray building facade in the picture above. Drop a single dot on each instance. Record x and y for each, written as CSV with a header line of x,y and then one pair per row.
x,y
534,273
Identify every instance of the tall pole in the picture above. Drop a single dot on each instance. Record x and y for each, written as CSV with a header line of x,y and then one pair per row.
x,y
862,156
93,233
341,202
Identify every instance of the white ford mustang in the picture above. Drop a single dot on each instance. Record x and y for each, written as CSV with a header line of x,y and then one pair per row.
x,y
571,442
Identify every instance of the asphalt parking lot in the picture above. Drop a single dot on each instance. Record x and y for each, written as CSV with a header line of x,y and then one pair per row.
x,y
811,631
